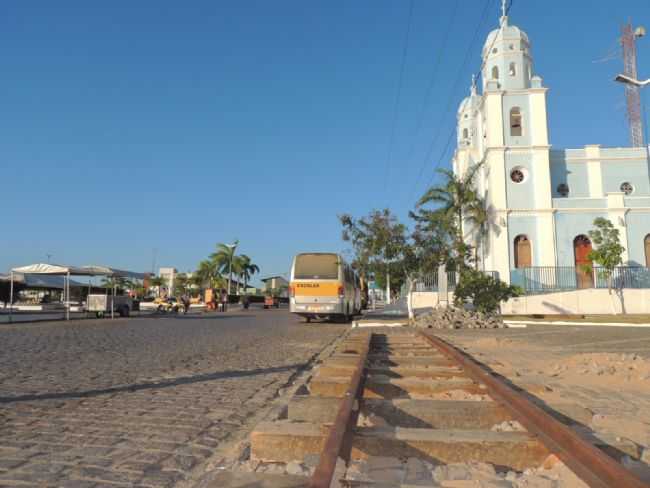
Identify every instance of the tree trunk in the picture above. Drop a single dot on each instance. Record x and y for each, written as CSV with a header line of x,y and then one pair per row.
x,y
460,241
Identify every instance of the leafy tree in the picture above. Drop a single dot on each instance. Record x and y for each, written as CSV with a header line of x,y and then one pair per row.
x,y
433,239
452,199
608,252
380,245
483,290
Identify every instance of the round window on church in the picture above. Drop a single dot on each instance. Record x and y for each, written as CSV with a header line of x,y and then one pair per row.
x,y
627,188
518,175
563,189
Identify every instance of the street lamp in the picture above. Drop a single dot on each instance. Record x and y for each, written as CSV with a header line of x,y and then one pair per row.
x,y
631,81
232,248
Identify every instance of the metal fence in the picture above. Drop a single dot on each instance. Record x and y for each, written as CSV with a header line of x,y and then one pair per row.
x,y
547,279
429,281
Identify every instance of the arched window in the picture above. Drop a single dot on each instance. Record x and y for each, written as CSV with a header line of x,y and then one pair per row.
x,y
465,134
495,72
646,246
515,121
581,250
512,70
523,255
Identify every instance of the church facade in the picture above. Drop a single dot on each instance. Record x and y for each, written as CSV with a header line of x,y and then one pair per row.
x,y
542,201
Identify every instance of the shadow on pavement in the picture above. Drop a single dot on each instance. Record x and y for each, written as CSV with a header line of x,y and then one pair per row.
x,y
187,380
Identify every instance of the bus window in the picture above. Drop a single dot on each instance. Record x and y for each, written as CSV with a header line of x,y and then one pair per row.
x,y
316,267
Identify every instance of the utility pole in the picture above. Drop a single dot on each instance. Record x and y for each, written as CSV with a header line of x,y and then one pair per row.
x,y
232,254
632,98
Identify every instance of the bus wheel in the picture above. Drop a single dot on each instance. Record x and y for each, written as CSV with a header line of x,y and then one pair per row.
x,y
307,319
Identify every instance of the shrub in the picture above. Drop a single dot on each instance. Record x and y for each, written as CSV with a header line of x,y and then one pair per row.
x,y
484,291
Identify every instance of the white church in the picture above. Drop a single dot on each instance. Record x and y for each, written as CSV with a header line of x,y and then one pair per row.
x,y
542,200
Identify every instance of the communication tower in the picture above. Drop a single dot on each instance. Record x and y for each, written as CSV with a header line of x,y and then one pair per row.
x,y
632,98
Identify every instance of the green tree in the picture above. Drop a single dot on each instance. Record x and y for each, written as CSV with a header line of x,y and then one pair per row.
x,y
484,291
433,239
608,253
246,268
224,258
181,284
453,197
477,216
120,283
380,245
207,274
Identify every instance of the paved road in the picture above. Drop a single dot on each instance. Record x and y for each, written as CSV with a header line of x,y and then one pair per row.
x,y
140,401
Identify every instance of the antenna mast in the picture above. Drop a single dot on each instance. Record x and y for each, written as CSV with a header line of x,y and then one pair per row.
x,y
632,98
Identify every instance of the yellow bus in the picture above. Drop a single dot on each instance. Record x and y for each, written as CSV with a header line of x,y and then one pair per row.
x,y
323,286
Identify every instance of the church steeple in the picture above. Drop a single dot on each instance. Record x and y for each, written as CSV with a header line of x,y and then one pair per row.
x,y
507,63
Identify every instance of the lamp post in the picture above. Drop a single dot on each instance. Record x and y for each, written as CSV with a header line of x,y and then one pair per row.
x,y
232,248
631,81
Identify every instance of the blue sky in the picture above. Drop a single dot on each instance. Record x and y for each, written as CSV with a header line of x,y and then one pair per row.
x,y
133,126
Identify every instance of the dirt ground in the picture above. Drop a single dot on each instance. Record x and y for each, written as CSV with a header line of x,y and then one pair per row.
x,y
603,369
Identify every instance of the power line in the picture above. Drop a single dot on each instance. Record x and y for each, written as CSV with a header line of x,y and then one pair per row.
x,y
431,84
453,129
450,100
397,98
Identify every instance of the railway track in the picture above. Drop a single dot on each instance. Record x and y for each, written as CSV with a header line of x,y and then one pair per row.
x,y
400,402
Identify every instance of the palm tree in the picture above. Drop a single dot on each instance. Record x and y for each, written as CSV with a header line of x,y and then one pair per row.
x,y
453,198
247,268
207,273
117,282
477,215
224,259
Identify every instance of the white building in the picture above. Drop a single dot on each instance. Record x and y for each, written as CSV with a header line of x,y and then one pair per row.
x,y
542,201
169,275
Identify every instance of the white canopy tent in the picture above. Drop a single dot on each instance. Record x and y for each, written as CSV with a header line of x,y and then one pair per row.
x,y
66,272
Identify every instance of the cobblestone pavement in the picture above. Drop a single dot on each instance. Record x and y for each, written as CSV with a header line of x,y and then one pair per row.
x,y
139,402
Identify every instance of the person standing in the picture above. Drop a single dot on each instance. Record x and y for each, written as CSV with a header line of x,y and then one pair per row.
x,y
224,300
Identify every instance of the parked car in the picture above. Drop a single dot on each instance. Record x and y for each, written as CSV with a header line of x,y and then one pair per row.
x,y
170,304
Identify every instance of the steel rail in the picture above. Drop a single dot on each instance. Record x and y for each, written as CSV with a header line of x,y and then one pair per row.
x,y
341,428
591,464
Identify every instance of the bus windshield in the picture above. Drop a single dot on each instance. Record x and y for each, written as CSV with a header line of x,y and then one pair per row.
x,y
316,267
